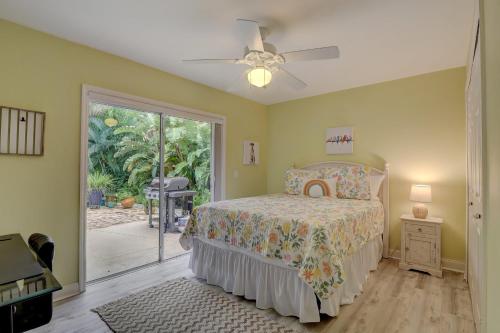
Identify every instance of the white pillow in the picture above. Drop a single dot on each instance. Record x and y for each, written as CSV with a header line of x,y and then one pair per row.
x,y
375,182
332,184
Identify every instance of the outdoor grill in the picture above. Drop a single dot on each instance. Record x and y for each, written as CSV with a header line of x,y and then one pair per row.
x,y
177,197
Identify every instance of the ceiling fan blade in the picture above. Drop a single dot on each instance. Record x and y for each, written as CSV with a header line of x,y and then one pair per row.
x,y
211,61
239,83
250,32
290,79
329,52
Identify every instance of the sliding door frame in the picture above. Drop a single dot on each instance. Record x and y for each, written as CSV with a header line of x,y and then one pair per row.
x,y
93,94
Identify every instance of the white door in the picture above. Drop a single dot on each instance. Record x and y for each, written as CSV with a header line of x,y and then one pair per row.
x,y
474,185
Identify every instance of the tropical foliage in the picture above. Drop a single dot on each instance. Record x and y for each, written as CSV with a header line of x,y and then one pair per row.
x,y
98,181
187,154
129,150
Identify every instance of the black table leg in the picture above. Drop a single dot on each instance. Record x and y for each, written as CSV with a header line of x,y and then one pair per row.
x,y
7,319
12,309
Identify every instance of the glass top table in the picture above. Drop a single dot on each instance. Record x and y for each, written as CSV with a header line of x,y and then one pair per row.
x,y
17,257
21,290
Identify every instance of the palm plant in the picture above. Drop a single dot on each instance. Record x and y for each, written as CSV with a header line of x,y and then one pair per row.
x,y
139,148
98,183
188,154
101,143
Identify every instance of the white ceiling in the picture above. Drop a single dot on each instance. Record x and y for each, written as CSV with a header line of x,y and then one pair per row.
x,y
379,40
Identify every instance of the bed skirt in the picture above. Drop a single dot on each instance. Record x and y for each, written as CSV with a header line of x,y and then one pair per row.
x,y
272,284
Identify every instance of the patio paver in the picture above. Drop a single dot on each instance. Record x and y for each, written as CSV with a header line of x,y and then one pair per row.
x,y
105,217
119,239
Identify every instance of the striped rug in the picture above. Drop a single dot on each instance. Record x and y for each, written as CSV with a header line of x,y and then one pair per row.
x,y
183,305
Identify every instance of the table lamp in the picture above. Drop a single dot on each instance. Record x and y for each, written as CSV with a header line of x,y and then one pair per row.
x,y
421,194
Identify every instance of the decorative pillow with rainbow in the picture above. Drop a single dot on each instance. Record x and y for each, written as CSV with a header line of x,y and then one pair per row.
x,y
316,188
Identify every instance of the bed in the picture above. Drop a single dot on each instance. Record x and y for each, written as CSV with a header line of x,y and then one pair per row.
x,y
297,254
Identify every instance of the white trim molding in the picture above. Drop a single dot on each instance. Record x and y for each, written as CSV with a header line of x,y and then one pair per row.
x,y
446,263
119,99
69,290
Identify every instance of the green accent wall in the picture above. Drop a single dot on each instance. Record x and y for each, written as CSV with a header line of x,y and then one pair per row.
x,y
44,73
416,124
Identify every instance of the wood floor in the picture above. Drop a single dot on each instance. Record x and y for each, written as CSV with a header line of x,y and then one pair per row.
x,y
393,301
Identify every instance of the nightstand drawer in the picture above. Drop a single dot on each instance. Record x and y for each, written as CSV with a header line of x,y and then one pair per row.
x,y
421,229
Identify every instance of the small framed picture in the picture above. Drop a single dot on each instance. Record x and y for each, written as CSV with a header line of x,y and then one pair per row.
x,y
339,140
250,153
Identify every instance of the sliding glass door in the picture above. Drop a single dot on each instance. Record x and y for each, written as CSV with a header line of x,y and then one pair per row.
x,y
147,167
123,160
188,155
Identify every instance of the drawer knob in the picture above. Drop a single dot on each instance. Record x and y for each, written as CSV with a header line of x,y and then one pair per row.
x,y
419,229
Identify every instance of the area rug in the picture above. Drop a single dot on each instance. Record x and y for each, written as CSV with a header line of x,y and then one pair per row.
x,y
183,305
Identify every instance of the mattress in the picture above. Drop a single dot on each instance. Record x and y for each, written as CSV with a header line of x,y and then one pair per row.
x,y
313,235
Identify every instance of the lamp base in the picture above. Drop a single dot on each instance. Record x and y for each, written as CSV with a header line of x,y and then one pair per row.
x,y
420,211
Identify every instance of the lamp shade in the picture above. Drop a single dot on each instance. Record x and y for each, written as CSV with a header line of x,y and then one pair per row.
x,y
421,193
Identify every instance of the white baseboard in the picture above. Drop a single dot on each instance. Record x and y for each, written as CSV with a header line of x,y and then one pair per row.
x,y
447,264
453,265
67,291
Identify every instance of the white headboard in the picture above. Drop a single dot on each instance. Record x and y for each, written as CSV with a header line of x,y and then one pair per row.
x,y
383,194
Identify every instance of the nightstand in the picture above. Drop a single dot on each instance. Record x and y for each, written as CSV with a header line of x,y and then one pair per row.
x,y
421,244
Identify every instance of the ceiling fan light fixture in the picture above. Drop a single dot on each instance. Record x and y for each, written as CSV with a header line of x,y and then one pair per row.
x,y
263,60
259,76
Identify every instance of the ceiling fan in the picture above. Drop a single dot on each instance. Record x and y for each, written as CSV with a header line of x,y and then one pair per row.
x,y
264,60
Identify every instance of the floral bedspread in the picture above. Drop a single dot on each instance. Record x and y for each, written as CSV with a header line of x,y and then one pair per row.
x,y
310,234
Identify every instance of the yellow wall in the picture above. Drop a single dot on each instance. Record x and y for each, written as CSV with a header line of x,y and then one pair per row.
x,y
416,124
44,73
490,51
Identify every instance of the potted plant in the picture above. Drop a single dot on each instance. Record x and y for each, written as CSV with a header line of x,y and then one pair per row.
x,y
98,183
126,198
111,200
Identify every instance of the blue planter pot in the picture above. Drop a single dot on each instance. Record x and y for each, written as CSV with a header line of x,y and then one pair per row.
x,y
95,198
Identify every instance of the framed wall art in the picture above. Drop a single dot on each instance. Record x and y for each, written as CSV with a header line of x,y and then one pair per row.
x,y
339,140
250,153
21,131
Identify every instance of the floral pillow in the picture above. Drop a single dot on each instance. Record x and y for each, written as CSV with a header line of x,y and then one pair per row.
x,y
353,182
331,172
296,179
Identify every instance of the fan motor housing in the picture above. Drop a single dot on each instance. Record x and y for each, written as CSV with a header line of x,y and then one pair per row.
x,y
269,58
